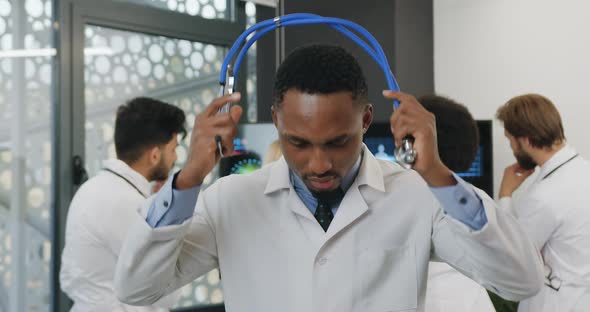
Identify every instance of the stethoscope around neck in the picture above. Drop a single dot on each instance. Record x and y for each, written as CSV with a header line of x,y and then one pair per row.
x,y
404,154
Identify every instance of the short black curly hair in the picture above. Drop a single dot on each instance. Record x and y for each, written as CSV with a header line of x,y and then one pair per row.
x,y
320,69
457,132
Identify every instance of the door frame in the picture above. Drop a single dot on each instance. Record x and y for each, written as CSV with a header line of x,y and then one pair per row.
x,y
68,108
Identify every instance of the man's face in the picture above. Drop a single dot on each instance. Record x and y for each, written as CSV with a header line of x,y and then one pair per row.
x,y
167,159
524,159
321,135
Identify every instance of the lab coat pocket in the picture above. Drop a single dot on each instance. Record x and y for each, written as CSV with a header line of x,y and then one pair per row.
x,y
388,279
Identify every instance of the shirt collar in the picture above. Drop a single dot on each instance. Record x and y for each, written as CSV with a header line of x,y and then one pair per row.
x,y
134,177
369,173
557,159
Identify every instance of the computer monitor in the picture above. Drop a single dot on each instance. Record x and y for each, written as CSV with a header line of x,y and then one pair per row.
x,y
253,141
380,142
242,161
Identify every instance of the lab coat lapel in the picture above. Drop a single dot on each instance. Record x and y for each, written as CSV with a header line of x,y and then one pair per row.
x,y
279,179
298,207
353,205
307,222
278,176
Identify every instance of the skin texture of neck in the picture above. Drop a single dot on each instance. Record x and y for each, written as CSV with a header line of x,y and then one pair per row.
x,y
542,155
141,168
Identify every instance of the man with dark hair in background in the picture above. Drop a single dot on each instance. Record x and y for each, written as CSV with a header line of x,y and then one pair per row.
x,y
457,137
328,227
146,136
552,205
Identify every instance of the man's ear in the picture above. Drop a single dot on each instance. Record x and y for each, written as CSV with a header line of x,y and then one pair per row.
x,y
367,116
274,113
525,142
154,155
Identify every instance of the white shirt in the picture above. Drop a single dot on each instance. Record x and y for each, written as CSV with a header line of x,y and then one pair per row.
x,y
274,256
450,291
554,209
98,219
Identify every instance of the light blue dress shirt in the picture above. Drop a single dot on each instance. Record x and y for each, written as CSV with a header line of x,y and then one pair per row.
x,y
172,207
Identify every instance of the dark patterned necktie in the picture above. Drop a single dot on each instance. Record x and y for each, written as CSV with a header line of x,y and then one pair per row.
x,y
324,215
323,211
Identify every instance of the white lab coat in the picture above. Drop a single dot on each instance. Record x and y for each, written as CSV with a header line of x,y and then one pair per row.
x,y
450,291
274,256
555,213
98,219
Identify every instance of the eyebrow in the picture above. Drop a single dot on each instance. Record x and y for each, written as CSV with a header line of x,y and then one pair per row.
x,y
331,140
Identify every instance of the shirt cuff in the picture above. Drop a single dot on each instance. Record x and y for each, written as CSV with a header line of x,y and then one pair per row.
x,y
462,203
172,206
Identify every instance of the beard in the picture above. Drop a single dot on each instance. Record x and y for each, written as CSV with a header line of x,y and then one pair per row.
x,y
332,196
160,171
327,195
525,161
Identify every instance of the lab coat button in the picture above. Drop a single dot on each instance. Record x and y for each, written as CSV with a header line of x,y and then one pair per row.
x,y
463,200
322,261
165,203
555,283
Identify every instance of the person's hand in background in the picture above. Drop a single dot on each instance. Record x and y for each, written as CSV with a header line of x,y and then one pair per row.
x,y
513,177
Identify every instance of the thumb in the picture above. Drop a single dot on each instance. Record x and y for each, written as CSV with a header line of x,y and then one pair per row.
x,y
235,113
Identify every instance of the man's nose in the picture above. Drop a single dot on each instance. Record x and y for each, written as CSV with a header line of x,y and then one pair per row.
x,y
319,162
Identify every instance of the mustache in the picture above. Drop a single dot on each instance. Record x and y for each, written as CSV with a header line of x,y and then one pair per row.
x,y
328,174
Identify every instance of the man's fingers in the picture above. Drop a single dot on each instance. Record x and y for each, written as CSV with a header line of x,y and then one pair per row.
x,y
403,125
400,132
218,103
395,95
524,172
224,127
228,145
512,167
224,141
220,120
236,112
518,171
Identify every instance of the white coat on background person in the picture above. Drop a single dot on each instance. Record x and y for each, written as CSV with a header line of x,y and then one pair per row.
x,y
276,254
551,204
555,214
450,291
98,220
457,137
102,210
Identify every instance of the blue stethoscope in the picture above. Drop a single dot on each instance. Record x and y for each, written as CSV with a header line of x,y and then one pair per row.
x,y
404,154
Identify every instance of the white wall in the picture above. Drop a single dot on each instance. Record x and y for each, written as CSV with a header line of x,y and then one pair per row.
x,y
487,51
